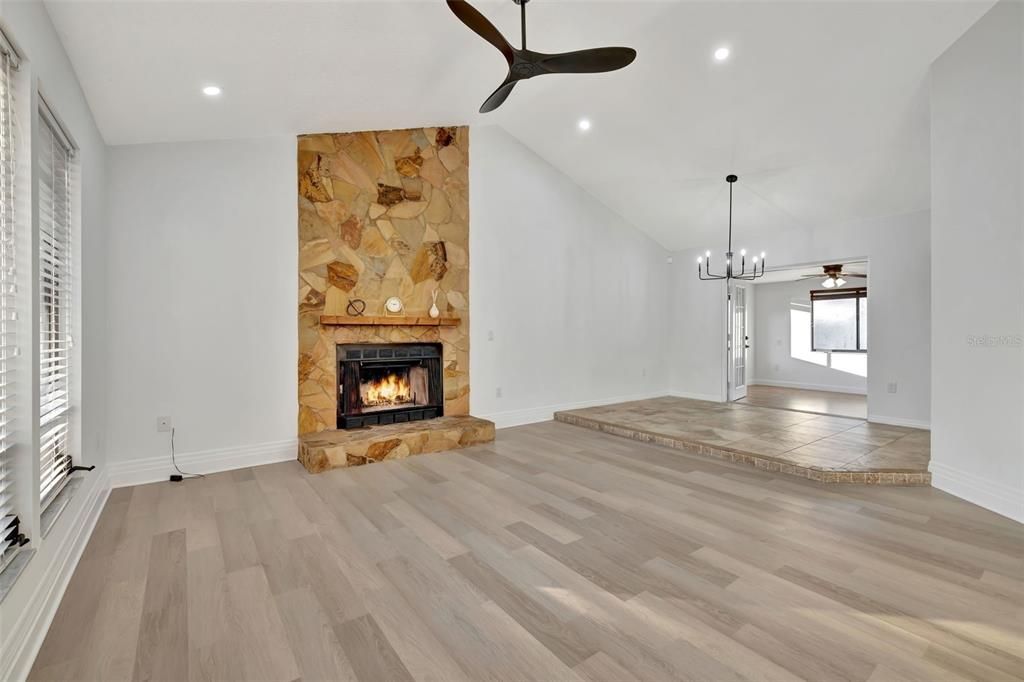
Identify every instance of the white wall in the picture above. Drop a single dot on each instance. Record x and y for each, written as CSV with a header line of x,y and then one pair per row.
x,y
576,298
977,256
696,348
203,262
770,342
27,609
899,336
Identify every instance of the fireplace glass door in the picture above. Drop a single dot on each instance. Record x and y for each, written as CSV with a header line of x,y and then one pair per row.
x,y
388,384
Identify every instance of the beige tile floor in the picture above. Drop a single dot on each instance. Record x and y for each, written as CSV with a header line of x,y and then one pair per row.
x,y
803,400
824,443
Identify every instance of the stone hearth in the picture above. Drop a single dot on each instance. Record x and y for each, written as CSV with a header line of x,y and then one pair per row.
x,y
337,448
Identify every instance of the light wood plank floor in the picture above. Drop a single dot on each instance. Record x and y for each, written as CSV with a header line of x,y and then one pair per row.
x,y
554,553
803,400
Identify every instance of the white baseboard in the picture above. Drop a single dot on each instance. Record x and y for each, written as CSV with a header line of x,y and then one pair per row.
x,y
899,421
28,632
153,469
710,397
992,495
532,415
810,387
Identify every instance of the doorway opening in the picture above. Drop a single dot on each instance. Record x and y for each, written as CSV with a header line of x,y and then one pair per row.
x,y
798,339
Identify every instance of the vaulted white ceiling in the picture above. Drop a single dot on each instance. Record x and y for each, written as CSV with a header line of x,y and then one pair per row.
x,y
822,109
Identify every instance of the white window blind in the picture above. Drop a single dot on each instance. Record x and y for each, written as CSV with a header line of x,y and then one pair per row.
x,y
54,160
10,536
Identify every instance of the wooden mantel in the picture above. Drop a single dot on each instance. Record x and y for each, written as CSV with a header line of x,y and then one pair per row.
x,y
386,321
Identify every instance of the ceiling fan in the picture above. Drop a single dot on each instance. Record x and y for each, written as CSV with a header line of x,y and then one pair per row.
x,y
524,64
834,276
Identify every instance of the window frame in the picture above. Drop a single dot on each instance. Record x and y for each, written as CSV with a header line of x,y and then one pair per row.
x,y
50,125
12,536
857,293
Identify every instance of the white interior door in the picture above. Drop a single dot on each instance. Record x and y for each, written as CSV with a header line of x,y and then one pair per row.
x,y
738,342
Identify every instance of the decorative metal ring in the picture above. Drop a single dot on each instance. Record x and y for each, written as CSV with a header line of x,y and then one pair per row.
x,y
356,307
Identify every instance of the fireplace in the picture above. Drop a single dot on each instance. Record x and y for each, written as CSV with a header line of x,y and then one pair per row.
x,y
388,383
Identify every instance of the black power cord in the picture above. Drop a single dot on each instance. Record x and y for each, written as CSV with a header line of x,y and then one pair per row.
x,y
181,475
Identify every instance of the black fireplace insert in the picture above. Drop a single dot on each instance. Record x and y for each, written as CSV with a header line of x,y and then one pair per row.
x,y
388,383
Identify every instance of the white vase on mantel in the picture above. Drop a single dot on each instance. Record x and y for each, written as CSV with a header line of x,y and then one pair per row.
x,y
434,311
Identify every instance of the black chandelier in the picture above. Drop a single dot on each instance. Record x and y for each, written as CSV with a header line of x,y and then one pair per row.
x,y
705,260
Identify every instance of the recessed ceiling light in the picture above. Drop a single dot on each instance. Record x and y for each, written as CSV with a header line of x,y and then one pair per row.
x,y
211,90
722,53
584,124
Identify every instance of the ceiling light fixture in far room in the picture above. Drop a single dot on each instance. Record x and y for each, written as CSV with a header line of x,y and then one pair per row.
x,y
211,90
584,124
721,54
730,273
833,276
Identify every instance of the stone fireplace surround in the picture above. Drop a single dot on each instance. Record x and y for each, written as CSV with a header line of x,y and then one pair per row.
x,y
383,214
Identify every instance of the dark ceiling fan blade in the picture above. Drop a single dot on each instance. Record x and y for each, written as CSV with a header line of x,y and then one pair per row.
x,y
479,24
499,96
596,60
838,274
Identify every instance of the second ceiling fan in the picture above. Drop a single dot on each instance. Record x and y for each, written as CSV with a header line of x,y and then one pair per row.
x,y
833,276
524,64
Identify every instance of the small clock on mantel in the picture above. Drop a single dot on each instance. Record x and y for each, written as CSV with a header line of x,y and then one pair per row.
x,y
393,306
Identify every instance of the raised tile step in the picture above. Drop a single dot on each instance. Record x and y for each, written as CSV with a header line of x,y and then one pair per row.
x,y
354,447
733,453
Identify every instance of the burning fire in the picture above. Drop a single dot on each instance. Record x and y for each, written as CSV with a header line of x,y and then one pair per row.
x,y
389,390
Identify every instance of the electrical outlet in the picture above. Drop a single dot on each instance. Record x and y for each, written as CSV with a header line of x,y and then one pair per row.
x,y
490,335
163,423
497,392
892,387
644,373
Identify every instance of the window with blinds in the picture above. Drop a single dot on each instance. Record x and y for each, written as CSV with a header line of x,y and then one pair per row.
x,y
11,537
54,165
